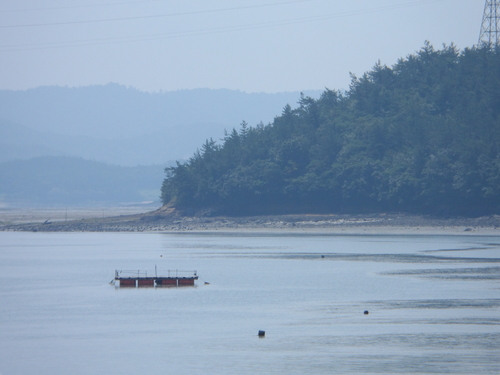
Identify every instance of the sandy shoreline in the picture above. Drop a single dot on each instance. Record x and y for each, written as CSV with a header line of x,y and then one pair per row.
x,y
57,214
168,220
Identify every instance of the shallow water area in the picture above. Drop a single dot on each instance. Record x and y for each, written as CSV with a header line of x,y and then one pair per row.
x,y
433,304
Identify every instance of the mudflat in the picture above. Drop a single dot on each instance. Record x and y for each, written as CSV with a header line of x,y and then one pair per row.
x,y
168,219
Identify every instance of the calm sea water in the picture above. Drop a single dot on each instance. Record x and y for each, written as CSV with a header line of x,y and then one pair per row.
x,y
433,302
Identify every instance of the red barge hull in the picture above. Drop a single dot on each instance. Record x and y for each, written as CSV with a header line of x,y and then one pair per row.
x,y
153,282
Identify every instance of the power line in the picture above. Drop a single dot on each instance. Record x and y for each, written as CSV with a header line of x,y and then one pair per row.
x,y
188,33
78,6
153,15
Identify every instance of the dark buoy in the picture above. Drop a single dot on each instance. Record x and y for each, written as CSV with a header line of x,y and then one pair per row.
x,y
322,256
262,333
366,312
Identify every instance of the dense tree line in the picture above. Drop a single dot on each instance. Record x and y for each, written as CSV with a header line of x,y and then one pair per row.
x,y
422,136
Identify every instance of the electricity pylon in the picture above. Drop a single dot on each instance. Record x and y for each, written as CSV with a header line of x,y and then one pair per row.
x,y
490,27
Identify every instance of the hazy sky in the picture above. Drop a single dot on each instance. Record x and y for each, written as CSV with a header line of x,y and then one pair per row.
x,y
247,45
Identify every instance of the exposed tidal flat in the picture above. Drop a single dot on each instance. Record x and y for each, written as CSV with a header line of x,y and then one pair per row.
x,y
139,219
23,215
432,301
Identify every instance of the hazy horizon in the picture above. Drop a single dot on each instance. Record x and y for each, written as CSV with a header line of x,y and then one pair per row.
x,y
160,91
256,46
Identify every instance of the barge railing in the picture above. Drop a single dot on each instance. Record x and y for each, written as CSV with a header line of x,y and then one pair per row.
x,y
138,278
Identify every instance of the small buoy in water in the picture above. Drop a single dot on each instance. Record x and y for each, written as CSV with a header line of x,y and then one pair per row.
x,y
322,256
366,312
262,333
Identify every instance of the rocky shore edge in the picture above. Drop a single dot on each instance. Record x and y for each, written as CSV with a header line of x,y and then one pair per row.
x,y
168,219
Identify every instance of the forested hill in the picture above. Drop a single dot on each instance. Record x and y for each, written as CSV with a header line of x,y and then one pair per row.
x,y
422,136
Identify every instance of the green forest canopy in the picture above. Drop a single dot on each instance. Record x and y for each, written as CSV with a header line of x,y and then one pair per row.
x,y
422,136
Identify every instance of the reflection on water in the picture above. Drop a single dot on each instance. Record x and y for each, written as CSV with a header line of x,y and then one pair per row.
x,y
433,304
418,341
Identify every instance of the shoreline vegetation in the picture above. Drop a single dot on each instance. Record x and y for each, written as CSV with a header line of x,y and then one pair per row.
x,y
167,219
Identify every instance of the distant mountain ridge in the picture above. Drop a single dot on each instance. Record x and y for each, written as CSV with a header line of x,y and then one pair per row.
x,y
108,145
50,181
121,125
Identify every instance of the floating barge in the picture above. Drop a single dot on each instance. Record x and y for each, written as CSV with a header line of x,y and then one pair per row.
x,y
140,279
